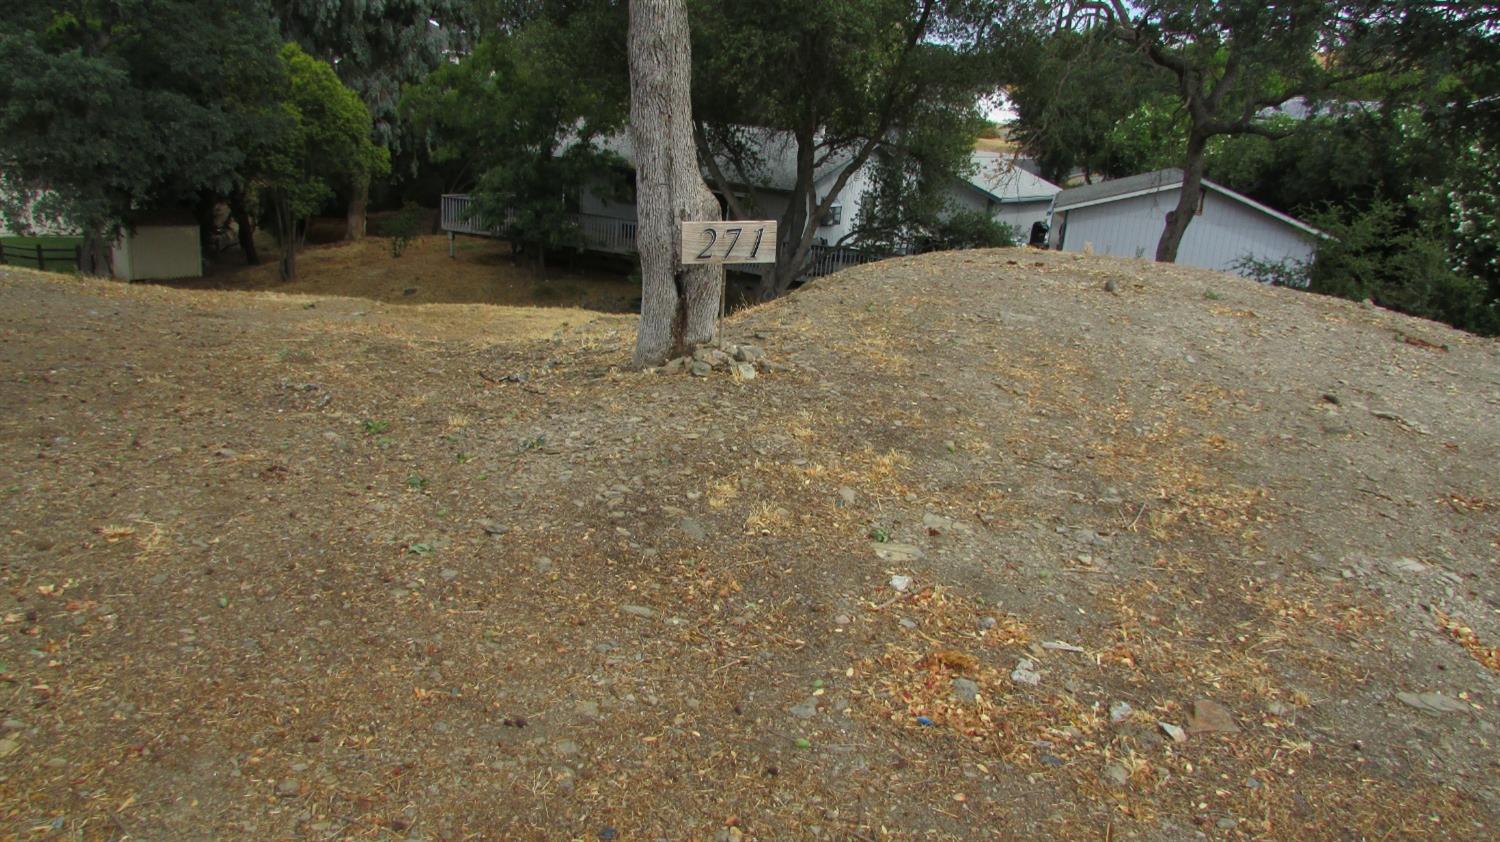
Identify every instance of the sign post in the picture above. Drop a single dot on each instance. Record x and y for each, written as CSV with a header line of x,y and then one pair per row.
x,y
737,241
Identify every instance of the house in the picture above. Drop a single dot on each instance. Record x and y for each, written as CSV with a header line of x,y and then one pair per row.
x,y
1125,216
1002,188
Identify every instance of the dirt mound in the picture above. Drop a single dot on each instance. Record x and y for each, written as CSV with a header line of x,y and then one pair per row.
x,y
999,553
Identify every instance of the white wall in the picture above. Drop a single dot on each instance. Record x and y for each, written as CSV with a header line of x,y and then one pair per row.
x,y
1226,231
158,252
850,199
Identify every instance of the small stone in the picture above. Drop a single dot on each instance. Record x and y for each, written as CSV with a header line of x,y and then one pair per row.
x,y
896,552
966,691
587,709
694,529
847,496
1177,734
1276,708
843,620
1116,775
1207,717
542,565
1433,702
742,371
749,354
805,710
606,834
490,527
901,583
700,369
1227,823
987,623
288,788
638,611
1111,286
1025,673
1120,711
908,623
448,574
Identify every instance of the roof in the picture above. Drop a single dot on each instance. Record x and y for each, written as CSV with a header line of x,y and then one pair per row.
x,y
776,168
998,176
1145,184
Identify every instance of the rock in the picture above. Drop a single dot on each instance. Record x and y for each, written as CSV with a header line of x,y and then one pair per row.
x,y
805,710
1209,717
1025,673
908,623
490,527
1177,734
638,611
1060,646
565,748
901,583
846,496
842,620
587,708
700,369
542,565
288,788
676,366
749,354
1120,711
448,574
607,834
1433,702
937,522
1276,708
1115,775
986,623
694,529
1111,286
1408,565
896,552
1227,823
966,691
742,371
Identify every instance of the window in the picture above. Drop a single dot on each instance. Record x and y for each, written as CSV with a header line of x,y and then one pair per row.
x,y
834,216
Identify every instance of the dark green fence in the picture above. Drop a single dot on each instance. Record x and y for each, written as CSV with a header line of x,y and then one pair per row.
x,y
41,257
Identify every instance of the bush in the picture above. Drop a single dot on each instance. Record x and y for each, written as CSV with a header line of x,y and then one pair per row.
x,y
971,230
406,225
1392,255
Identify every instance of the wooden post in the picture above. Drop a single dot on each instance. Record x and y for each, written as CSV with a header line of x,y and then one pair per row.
x,y
41,260
452,244
77,257
2,254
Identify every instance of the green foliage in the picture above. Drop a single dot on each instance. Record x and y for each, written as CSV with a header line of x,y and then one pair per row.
x,y
111,108
969,229
406,225
1082,99
1394,255
889,82
321,139
523,113
377,46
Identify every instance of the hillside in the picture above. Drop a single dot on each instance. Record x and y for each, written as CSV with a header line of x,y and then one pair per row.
x,y
1188,556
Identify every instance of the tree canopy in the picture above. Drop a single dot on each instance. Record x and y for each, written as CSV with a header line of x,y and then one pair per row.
x,y
112,109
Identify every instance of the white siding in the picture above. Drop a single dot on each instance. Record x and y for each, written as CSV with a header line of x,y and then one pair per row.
x,y
849,201
158,252
1021,215
1226,231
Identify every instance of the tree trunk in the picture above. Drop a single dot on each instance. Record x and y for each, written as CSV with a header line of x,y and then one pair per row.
x,y
286,232
679,304
792,226
93,255
1187,201
354,225
246,228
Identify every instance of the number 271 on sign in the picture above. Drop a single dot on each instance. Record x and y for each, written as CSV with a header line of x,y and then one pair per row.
x,y
738,241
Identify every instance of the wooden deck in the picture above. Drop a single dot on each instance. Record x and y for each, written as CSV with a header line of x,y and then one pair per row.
x,y
596,233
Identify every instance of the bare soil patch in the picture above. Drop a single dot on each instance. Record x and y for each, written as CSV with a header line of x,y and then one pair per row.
x,y
1001,554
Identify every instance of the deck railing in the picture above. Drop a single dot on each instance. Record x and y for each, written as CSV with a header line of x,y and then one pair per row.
x,y
825,260
595,232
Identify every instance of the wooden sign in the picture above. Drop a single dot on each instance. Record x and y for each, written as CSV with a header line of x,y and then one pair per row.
x,y
739,241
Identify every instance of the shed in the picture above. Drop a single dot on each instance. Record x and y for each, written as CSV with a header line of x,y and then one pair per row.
x,y
1001,188
159,246
1125,216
